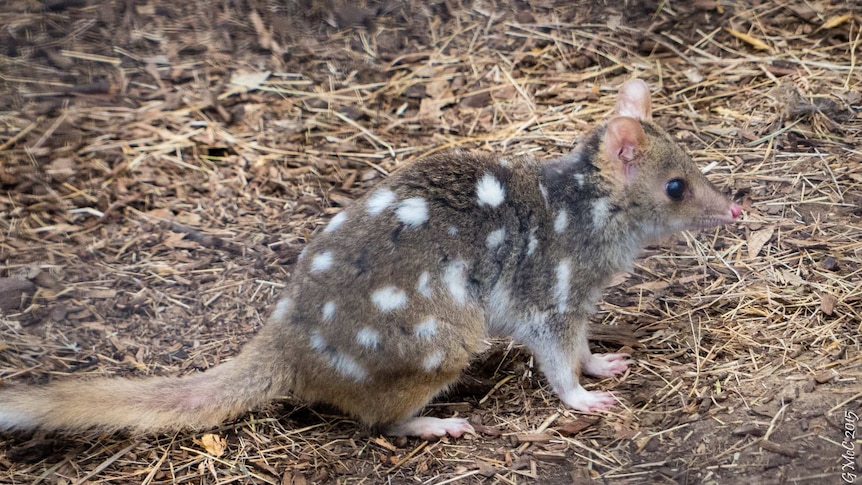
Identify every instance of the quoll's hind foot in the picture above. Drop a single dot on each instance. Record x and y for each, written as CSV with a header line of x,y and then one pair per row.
x,y
426,427
607,365
586,401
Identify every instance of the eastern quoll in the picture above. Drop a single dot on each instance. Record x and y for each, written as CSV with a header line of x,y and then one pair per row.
x,y
396,294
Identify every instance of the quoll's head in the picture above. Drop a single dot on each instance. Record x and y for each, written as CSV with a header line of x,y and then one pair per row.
x,y
662,186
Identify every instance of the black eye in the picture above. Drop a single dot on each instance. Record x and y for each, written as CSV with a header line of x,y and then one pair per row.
x,y
675,189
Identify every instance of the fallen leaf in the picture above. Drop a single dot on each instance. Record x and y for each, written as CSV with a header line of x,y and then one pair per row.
x,y
250,80
653,286
805,12
101,293
486,430
571,428
791,278
214,444
829,264
753,41
61,168
160,213
438,88
836,21
827,303
720,130
693,75
551,456
692,278
729,113
15,293
293,479
384,443
758,239
430,109
533,437
825,376
618,279
176,240
486,469
188,218
623,431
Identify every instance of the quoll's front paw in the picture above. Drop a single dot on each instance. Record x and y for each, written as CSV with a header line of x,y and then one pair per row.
x,y
607,365
589,401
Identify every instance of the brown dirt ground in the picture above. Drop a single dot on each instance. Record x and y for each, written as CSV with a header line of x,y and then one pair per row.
x,y
163,163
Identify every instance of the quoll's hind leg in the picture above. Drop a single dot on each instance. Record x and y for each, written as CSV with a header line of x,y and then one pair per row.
x,y
456,336
405,398
401,375
390,402
428,427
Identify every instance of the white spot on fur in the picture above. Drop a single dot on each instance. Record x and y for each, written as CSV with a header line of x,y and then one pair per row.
x,y
302,254
336,221
533,242
561,287
380,200
329,311
504,162
424,285
561,221
321,262
601,211
455,278
368,338
282,309
495,238
579,178
389,298
412,212
343,364
490,191
426,329
453,231
348,367
432,361
544,191
317,342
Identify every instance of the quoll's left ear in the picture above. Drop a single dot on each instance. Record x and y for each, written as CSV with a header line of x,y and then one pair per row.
x,y
634,101
624,140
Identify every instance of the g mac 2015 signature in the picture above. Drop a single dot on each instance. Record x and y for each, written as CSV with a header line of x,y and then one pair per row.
x,y
848,469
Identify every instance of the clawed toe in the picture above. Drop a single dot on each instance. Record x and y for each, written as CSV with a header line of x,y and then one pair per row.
x,y
590,402
607,365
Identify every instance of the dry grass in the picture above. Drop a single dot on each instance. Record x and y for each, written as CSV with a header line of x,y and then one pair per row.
x,y
162,167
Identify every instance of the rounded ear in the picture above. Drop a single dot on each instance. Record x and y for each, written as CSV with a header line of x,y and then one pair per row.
x,y
624,138
634,100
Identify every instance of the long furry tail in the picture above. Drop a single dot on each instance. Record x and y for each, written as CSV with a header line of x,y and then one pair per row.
x,y
142,405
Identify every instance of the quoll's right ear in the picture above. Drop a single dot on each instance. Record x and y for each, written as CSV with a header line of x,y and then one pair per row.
x,y
624,140
634,101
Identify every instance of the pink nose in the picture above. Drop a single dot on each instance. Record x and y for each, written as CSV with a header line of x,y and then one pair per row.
x,y
735,210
